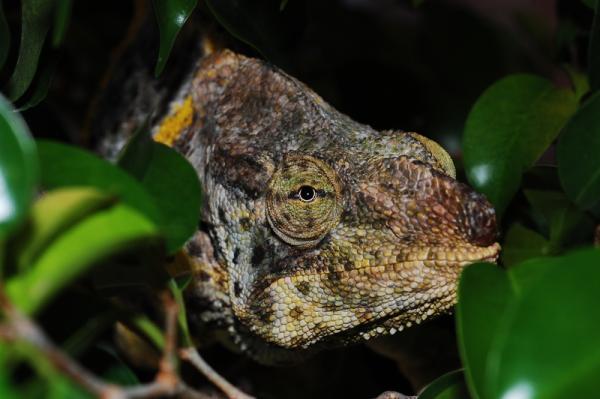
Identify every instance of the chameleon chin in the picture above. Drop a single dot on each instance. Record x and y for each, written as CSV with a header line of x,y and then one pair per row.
x,y
317,231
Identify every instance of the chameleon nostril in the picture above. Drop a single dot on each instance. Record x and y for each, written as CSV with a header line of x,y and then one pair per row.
x,y
481,221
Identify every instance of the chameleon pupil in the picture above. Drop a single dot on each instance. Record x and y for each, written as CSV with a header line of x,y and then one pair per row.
x,y
307,193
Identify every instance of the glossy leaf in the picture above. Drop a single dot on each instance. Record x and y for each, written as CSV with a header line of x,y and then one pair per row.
x,y
36,18
449,386
4,37
484,294
522,243
577,155
18,168
171,181
512,123
594,50
54,213
105,233
67,166
171,16
548,347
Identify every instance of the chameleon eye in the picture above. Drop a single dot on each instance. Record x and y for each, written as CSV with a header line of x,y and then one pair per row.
x,y
303,200
307,193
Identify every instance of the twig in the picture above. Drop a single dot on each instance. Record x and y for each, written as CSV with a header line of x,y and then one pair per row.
x,y
21,328
18,326
191,355
167,371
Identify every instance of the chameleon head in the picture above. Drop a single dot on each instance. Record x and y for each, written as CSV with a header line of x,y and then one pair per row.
x,y
371,256
327,230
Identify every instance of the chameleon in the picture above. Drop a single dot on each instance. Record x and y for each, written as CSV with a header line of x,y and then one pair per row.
x,y
317,231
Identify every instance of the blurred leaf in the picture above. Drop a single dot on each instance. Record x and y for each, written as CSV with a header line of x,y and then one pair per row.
x,y
54,213
4,37
119,373
40,87
567,224
7,390
60,387
579,81
448,386
67,166
171,16
590,3
85,335
594,50
510,126
36,17
577,155
105,233
522,243
177,292
263,24
18,169
62,18
548,347
484,289
55,387
173,183
150,330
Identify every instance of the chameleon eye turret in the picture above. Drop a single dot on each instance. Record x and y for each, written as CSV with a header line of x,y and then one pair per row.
x,y
303,200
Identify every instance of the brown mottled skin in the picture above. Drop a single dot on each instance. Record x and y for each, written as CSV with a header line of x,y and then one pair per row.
x,y
317,230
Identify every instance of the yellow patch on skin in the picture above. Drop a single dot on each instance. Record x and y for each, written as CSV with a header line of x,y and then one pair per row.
x,y
439,153
181,265
175,123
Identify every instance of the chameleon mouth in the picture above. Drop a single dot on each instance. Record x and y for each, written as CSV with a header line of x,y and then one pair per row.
x,y
459,256
467,255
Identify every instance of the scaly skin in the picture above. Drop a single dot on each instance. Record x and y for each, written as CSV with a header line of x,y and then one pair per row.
x,y
324,231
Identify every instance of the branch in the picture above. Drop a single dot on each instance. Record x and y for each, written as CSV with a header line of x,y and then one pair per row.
x,y
193,357
19,327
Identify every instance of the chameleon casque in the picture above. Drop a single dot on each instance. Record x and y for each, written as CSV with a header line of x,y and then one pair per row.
x,y
317,230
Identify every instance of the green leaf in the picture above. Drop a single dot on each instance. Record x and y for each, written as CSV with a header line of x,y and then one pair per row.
x,y
449,386
54,213
177,292
484,289
577,155
171,181
62,18
510,126
579,81
119,373
36,17
40,85
594,50
4,37
548,347
18,169
97,237
171,16
590,3
271,28
567,224
67,166
522,243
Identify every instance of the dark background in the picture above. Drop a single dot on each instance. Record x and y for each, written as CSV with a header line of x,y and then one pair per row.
x,y
390,64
